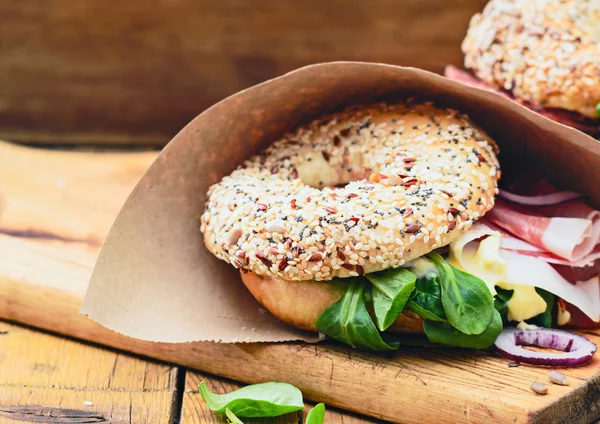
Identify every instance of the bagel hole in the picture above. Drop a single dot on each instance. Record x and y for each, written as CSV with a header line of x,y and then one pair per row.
x,y
316,171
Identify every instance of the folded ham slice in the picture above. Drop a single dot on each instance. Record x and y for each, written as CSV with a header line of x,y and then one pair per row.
x,y
572,119
540,199
578,273
588,266
569,230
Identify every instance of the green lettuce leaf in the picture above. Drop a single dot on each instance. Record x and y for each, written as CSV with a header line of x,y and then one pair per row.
x,y
500,300
391,290
468,303
348,320
257,400
316,415
444,333
426,299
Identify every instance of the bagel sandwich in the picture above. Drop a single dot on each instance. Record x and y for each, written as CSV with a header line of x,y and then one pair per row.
x,y
373,221
540,53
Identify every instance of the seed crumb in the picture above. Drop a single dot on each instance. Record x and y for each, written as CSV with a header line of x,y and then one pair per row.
x,y
539,388
558,378
88,403
514,364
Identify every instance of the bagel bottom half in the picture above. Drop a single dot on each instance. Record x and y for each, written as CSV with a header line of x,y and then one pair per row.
x,y
300,303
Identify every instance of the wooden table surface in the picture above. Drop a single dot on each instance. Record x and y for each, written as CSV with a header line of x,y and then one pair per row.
x,y
55,209
48,378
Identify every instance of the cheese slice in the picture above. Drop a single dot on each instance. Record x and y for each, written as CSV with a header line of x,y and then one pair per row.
x,y
481,259
525,303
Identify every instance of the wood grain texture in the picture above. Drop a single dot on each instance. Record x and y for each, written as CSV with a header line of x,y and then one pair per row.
x,y
136,72
413,385
43,377
46,193
47,378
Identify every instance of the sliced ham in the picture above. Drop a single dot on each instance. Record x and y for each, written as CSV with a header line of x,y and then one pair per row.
x,y
578,273
540,200
584,269
572,119
584,266
570,230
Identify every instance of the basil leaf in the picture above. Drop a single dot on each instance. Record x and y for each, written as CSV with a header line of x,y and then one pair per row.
x,y
426,299
316,415
444,333
257,400
391,290
468,303
545,318
500,300
349,321
231,417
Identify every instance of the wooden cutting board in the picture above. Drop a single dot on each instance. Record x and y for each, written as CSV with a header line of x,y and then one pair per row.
x,y
56,207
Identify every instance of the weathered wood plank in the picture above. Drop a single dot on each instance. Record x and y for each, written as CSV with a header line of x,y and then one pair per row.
x,y
136,72
41,375
65,195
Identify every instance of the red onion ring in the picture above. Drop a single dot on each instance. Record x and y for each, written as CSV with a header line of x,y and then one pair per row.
x,y
541,200
577,349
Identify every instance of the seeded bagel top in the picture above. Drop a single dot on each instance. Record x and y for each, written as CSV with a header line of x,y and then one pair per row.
x,y
357,192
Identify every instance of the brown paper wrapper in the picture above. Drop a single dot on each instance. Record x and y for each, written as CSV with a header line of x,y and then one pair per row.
x,y
155,280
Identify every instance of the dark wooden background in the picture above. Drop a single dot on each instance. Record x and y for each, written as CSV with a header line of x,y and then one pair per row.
x,y
135,72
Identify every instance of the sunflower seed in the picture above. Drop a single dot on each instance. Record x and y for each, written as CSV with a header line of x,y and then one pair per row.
x,y
558,378
539,388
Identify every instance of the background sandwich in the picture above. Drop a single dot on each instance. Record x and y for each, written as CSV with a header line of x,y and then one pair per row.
x,y
543,54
